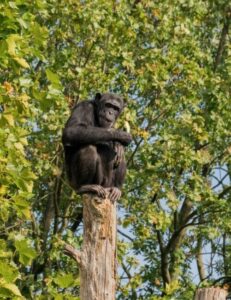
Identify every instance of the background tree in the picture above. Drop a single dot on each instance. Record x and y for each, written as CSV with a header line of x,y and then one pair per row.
x,y
171,60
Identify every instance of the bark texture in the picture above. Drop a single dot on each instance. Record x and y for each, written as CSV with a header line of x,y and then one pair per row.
x,y
212,293
97,258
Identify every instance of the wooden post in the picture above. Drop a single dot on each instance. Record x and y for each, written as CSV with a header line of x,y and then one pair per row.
x,y
97,259
212,293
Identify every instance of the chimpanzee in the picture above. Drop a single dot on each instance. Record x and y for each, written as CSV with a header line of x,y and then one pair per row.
x,y
94,150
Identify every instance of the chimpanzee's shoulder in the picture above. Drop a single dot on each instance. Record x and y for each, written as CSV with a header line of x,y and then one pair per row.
x,y
87,105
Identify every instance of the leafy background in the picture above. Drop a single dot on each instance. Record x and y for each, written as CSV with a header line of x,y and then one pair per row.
x,y
171,62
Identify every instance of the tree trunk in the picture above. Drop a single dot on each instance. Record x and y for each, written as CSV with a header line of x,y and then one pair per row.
x,y
212,293
97,259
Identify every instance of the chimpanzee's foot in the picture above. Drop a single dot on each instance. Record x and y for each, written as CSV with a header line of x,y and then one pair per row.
x,y
92,188
114,194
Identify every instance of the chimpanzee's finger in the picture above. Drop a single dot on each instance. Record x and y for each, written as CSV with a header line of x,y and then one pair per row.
x,y
115,194
102,192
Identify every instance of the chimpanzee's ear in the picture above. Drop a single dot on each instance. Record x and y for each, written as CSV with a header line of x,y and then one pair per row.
x,y
97,97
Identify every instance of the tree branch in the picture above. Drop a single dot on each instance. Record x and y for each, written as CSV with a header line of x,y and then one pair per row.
x,y
125,235
73,253
199,259
222,42
224,192
164,260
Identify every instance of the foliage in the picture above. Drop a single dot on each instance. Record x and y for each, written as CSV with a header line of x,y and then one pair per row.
x,y
170,60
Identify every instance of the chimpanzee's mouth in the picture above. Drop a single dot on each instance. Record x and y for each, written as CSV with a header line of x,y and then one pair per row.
x,y
107,120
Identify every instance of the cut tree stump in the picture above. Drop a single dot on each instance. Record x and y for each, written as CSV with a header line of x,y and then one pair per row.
x,y
212,293
97,258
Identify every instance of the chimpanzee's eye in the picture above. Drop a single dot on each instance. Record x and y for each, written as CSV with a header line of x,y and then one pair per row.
x,y
116,109
109,105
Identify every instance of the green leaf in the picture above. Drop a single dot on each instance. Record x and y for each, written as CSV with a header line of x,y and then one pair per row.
x,y
64,280
11,289
53,78
26,252
8,272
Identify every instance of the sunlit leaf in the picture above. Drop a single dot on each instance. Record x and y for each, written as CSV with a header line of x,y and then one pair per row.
x,y
22,62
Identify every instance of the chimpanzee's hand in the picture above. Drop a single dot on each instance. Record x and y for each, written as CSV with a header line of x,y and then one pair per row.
x,y
114,194
92,188
123,137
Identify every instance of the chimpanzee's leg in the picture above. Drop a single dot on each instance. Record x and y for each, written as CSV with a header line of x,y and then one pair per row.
x,y
84,165
87,172
118,176
120,173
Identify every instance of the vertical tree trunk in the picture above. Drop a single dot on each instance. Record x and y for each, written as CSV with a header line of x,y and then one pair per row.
x,y
97,259
212,293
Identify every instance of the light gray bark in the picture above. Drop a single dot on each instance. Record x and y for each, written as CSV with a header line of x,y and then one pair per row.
x,y
212,293
97,258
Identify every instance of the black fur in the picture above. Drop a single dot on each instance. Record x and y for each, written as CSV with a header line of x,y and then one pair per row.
x,y
94,150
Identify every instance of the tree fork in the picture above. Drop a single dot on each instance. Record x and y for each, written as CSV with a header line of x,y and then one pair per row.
x,y
97,258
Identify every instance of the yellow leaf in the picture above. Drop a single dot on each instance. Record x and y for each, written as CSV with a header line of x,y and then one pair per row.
x,y
24,141
20,147
11,44
24,99
9,118
9,88
56,171
3,189
26,213
157,281
171,287
144,134
22,62
127,126
154,220
3,159
29,186
204,156
171,195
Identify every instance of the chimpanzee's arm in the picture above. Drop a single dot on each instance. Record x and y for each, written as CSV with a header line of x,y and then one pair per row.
x,y
81,129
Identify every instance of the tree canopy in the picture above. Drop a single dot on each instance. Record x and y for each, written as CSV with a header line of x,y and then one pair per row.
x,y
170,60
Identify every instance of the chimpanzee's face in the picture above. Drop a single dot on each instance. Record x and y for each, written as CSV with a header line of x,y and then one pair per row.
x,y
109,107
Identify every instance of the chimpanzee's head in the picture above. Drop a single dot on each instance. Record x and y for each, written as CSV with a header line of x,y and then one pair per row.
x,y
108,108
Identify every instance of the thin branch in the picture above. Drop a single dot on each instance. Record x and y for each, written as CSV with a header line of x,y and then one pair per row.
x,y
126,270
160,241
224,279
11,227
220,181
125,235
134,295
89,54
224,255
154,198
73,253
134,152
224,192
